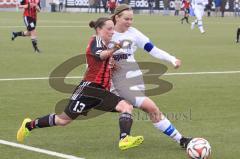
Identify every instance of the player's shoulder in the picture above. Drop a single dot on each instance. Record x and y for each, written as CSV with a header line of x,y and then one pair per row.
x,y
132,29
135,31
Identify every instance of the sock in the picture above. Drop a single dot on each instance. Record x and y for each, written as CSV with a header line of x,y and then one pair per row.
x,y
167,128
20,33
195,21
238,34
200,26
209,13
187,19
34,44
46,121
125,124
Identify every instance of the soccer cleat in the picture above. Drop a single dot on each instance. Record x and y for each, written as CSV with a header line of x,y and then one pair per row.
x,y
184,142
237,41
23,131
130,141
13,36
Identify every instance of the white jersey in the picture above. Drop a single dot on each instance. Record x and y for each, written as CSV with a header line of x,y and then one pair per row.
x,y
128,75
199,3
127,80
132,39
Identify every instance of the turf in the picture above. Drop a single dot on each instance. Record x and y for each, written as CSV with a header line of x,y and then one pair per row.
x,y
204,105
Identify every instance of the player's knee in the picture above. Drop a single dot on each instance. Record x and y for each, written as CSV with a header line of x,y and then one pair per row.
x,y
62,120
149,106
124,106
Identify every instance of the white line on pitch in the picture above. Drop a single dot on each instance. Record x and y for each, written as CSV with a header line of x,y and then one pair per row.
x,y
30,148
78,77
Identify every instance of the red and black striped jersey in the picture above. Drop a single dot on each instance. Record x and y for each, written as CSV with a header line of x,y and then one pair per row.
x,y
186,4
98,70
30,11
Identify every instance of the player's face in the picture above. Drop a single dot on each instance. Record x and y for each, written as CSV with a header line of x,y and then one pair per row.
x,y
125,20
107,30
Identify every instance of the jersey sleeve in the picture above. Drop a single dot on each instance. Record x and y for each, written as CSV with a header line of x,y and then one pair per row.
x,y
141,39
96,47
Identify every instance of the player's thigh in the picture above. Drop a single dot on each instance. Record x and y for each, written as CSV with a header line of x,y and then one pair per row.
x,y
80,106
30,23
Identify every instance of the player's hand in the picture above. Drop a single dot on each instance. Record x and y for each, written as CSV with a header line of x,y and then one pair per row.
x,y
177,63
113,64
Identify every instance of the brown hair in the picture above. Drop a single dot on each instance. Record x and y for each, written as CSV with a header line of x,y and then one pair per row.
x,y
118,11
98,23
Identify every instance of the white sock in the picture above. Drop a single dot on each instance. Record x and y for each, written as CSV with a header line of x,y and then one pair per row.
x,y
167,128
200,26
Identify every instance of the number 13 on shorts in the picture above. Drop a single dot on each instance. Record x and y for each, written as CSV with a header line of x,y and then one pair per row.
x,y
78,108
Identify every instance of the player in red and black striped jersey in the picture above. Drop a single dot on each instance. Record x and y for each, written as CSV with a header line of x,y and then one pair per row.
x,y
186,8
98,71
31,7
92,92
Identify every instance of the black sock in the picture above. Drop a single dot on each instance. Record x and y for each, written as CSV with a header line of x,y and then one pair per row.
x,y
34,44
238,34
46,121
20,33
187,19
125,124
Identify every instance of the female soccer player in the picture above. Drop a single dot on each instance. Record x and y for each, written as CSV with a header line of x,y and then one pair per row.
x,y
186,8
96,81
124,57
198,7
238,34
31,7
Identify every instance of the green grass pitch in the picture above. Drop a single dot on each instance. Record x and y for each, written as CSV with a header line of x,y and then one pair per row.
x,y
205,105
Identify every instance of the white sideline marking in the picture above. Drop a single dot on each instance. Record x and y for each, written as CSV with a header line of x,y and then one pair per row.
x,y
202,73
48,26
30,148
78,77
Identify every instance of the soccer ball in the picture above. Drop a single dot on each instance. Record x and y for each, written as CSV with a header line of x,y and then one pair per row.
x,y
199,148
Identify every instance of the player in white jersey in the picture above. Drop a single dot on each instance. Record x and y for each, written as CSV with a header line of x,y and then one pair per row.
x,y
198,8
128,76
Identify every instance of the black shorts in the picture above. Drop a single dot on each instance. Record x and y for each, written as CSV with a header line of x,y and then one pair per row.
x,y
88,96
30,23
186,11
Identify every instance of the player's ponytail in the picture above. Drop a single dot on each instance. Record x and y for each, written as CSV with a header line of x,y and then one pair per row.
x,y
99,22
92,24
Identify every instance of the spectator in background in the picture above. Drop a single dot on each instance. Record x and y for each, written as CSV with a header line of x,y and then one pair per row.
x,y
186,8
90,5
97,6
178,4
60,8
223,4
112,4
166,7
217,6
104,2
150,5
209,7
236,8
